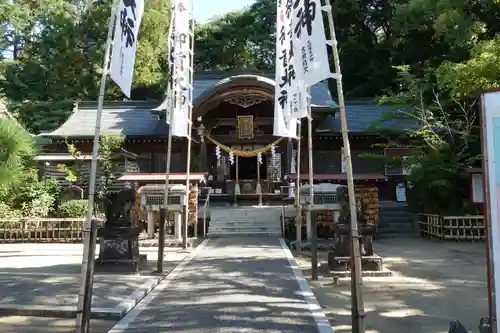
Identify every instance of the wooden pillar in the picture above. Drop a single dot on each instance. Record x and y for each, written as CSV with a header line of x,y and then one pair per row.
x,y
288,157
203,157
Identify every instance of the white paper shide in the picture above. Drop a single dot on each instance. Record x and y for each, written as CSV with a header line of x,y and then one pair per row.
x,y
310,43
290,94
180,45
128,20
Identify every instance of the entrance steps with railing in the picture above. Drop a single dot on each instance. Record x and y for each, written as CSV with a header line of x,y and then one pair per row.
x,y
245,221
396,220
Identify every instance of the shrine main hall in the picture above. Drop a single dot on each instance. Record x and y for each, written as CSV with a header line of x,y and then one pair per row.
x,y
235,114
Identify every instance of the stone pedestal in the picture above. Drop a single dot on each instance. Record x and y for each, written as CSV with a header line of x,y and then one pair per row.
x,y
178,225
339,258
119,249
151,225
308,225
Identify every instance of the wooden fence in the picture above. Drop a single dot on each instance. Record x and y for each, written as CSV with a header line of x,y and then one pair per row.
x,y
41,230
471,228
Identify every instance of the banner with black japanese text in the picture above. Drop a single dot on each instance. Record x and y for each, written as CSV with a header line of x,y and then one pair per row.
x,y
180,45
310,44
128,20
168,104
290,92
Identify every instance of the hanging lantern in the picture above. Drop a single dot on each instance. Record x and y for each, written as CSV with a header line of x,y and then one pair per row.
x,y
231,157
259,157
217,154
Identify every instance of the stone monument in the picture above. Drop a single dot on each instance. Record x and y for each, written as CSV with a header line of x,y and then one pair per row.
x,y
339,258
72,192
119,238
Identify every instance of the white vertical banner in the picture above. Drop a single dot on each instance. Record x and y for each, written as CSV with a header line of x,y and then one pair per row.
x,y
310,42
182,67
128,20
290,97
168,104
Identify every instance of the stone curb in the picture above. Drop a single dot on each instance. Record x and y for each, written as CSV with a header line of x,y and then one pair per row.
x,y
66,311
69,311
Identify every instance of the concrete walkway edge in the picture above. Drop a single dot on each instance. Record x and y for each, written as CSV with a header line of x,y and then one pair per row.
x,y
316,310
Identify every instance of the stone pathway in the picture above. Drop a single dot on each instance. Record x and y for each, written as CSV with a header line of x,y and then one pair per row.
x,y
44,280
230,285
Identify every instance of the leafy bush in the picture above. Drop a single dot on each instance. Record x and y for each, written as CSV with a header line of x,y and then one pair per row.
x,y
8,213
73,208
40,206
438,184
33,197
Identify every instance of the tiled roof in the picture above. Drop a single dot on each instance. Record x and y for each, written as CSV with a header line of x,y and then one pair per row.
x,y
131,118
366,117
134,118
137,118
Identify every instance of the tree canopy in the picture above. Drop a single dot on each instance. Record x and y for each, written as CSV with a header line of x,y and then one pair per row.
x,y
52,56
53,53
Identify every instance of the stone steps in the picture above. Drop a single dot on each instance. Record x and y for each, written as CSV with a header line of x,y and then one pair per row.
x,y
244,221
395,219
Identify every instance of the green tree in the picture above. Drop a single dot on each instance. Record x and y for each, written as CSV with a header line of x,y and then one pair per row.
x,y
481,71
446,139
109,146
238,40
60,53
16,150
72,172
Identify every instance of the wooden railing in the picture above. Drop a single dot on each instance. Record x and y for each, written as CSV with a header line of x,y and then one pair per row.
x,y
41,230
471,228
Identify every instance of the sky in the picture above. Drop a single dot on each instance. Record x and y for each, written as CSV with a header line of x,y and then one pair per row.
x,y
206,9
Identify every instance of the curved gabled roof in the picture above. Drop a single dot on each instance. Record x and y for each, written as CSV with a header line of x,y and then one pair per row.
x,y
204,89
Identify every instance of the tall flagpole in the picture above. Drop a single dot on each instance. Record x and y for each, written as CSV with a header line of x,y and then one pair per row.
x,y
312,221
298,216
87,272
190,116
357,316
161,235
169,119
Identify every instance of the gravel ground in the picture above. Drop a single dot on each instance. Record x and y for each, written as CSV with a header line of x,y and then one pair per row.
x,y
433,283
